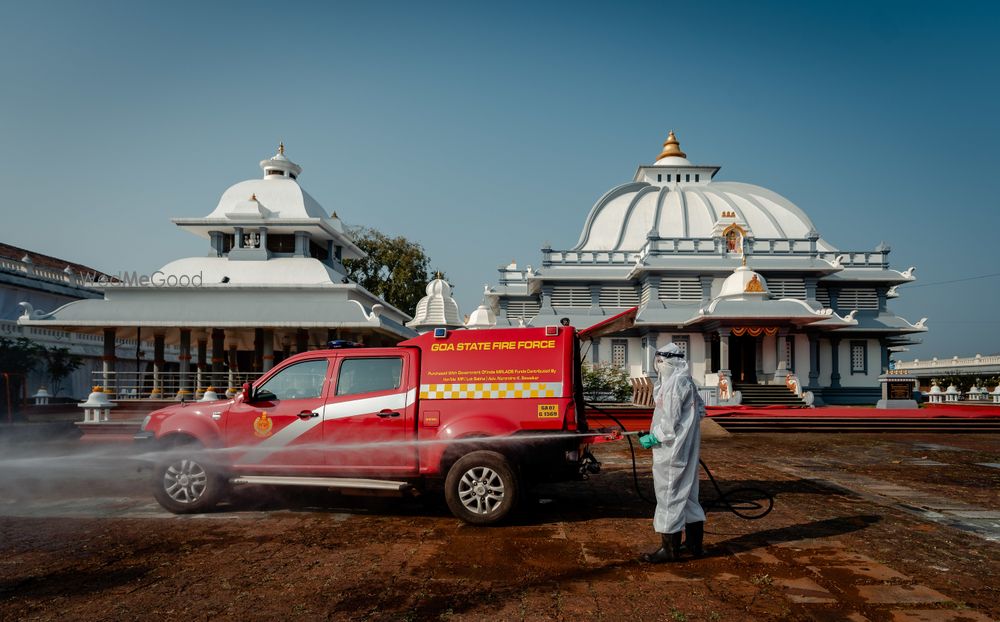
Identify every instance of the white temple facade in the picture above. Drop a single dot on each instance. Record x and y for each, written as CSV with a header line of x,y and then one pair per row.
x,y
272,284
732,272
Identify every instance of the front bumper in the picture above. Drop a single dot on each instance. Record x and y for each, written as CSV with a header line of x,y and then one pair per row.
x,y
144,437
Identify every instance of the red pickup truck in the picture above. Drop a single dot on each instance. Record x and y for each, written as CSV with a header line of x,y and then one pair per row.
x,y
486,413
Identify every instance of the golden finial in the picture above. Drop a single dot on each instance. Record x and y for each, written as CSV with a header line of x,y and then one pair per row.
x,y
281,148
671,148
744,261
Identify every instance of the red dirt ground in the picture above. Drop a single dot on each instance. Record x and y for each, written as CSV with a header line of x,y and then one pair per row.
x,y
81,543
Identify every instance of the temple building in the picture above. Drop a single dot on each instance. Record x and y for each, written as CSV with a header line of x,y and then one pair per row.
x,y
272,284
736,274
49,282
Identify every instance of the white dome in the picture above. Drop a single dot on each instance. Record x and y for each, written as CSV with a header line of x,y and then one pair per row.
x,y
280,197
482,317
672,161
624,217
437,308
277,271
438,287
744,282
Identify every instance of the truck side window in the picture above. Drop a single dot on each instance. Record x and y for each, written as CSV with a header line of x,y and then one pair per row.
x,y
299,381
369,375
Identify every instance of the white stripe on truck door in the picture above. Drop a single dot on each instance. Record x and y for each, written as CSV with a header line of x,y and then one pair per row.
x,y
327,412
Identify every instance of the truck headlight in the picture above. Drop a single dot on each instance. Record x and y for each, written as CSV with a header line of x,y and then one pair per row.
x,y
145,422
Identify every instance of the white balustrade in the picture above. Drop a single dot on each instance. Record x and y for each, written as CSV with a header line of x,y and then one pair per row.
x,y
130,385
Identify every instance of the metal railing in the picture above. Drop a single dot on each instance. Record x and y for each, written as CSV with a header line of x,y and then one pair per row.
x,y
801,247
965,361
131,385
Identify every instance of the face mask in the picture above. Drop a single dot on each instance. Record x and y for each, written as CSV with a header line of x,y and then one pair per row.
x,y
663,369
659,364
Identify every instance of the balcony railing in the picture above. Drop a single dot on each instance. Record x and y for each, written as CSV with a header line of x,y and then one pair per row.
x,y
130,385
966,361
803,247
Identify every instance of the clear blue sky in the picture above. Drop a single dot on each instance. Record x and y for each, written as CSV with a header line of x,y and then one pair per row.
x,y
483,130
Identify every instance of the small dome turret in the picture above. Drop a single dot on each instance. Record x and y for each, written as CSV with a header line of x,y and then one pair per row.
x,y
437,309
279,165
744,282
482,317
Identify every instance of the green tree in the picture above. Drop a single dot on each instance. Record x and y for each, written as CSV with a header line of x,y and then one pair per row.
x,y
396,268
60,364
17,358
604,382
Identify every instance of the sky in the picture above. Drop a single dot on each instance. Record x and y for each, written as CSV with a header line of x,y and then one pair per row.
x,y
485,130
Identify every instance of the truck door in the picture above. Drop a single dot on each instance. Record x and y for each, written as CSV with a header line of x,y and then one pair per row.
x,y
280,429
369,421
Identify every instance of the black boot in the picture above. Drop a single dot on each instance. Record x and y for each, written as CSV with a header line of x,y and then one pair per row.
x,y
670,551
695,540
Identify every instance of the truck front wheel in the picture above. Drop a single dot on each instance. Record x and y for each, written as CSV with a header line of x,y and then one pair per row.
x,y
481,488
185,483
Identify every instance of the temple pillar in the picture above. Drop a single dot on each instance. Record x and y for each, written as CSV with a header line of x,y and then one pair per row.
x,y
158,363
218,349
232,389
759,357
781,355
724,349
652,344
183,379
199,385
834,362
108,359
813,361
258,349
267,352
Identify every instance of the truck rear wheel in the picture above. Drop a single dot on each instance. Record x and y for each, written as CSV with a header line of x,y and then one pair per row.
x,y
481,488
185,483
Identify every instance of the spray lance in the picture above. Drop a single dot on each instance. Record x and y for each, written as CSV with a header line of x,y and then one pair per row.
x,y
749,503
755,504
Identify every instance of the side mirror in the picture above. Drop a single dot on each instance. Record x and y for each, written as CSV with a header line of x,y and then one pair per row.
x,y
247,389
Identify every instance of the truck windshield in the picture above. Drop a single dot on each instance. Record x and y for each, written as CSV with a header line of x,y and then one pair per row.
x,y
298,381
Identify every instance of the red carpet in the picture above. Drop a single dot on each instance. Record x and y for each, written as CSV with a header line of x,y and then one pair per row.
x,y
961,411
637,418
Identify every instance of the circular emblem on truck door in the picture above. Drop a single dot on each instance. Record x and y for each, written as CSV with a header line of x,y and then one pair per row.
x,y
262,425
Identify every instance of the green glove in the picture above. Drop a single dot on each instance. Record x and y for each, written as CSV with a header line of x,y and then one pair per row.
x,y
649,441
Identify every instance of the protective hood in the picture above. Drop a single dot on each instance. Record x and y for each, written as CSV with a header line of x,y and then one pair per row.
x,y
670,361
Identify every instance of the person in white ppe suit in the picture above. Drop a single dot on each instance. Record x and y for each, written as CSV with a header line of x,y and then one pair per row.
x,y
675,438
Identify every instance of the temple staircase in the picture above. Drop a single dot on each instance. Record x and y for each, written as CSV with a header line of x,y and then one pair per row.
x,y
768,395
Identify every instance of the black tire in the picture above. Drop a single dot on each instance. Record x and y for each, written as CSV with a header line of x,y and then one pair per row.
x,y
482,488
185,482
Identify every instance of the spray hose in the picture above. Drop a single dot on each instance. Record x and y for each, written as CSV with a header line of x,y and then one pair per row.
x,y
748,503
